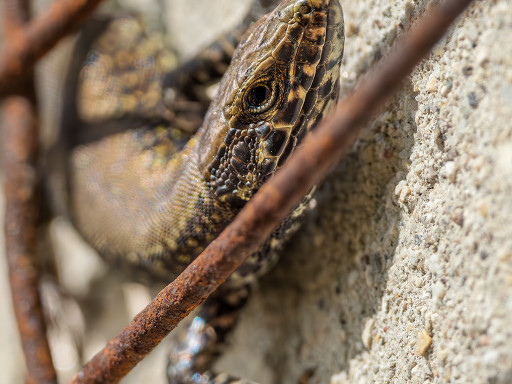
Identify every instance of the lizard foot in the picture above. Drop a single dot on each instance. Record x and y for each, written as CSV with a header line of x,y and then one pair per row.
x,y
206,339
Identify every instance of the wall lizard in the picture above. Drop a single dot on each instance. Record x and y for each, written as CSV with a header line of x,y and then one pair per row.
x,y
149,199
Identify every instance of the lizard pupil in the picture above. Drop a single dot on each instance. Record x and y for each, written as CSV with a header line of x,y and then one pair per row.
x,y
258,96
261,96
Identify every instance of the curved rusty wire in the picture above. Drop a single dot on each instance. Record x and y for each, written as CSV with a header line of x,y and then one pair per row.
x,y
22,50
21,182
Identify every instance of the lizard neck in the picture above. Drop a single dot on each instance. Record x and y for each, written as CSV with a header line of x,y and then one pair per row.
x,y
138,198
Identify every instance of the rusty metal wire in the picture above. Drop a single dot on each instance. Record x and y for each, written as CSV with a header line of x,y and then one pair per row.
x,y
37,37
19,147
270,205
19,157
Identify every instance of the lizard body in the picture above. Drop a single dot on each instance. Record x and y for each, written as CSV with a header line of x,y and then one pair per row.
x,y
142,197
151,197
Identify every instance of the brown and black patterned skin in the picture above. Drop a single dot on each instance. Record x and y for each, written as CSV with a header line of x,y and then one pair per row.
x,y
145,198
152,197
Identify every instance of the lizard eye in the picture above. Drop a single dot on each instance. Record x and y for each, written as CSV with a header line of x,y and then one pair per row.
x,y
260,97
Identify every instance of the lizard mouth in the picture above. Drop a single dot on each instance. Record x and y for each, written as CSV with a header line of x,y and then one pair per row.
x,y
291,84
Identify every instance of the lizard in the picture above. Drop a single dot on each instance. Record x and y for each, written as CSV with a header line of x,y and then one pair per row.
x,y
151,196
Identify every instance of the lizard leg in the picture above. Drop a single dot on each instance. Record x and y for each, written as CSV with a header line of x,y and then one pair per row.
x,y
190,361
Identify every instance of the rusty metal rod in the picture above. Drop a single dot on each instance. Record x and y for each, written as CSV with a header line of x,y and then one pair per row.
x,y
270,205
21,186
37,37
19,148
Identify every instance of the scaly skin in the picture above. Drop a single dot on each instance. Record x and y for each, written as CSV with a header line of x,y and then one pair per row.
x,y
149,199
142,198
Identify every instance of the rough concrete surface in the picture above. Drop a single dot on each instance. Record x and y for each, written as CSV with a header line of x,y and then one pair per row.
x,y
402,271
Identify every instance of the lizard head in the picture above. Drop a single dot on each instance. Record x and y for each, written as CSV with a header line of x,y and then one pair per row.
x,y
283,78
